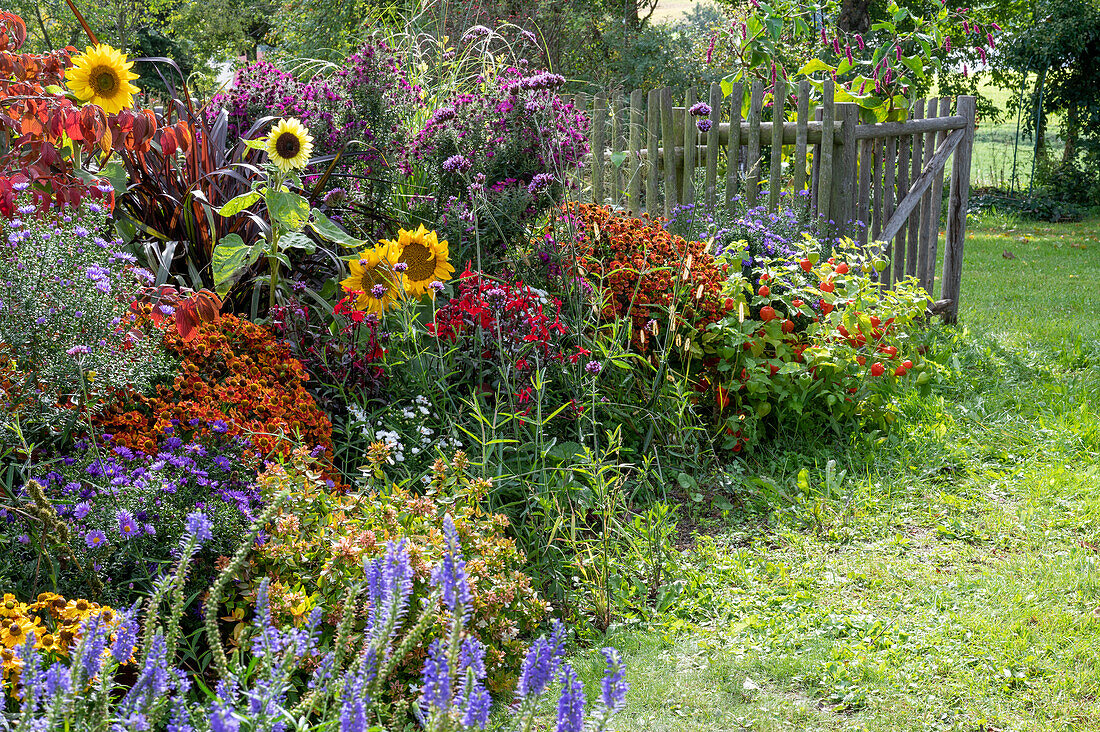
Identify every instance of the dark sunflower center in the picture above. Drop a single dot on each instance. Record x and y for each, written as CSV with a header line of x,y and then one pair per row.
x,y
288,145
105,79
418,257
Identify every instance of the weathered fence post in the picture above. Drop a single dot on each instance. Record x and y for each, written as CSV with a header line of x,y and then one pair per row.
x,y
775,179
668,150
691,136
733,146
844,173
713,144
956,213
599,144
825,170
634,182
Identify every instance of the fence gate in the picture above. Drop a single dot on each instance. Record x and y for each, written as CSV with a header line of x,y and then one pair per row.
x,y
878,183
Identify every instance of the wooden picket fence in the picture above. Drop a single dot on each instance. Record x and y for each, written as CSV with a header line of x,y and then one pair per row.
x,y
879,183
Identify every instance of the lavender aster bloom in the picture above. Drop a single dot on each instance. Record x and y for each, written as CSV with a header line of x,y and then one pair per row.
x,y
127,527
571,702
400,266
95,538
379,291
436,285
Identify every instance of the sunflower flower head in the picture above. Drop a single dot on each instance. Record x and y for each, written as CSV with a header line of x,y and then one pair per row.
x,y
101,75
426,260
373,280
289,145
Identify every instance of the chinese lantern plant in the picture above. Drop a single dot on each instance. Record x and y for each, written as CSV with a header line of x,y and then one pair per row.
x,y
817,345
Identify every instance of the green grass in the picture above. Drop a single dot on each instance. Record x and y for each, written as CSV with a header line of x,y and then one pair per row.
x,y
996,152
943,576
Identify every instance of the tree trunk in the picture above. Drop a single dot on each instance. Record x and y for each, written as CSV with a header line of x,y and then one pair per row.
x,y
1070,129
855,16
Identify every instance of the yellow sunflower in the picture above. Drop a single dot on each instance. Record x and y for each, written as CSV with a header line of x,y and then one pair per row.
x,y
289,145
101,75
426,260
374,280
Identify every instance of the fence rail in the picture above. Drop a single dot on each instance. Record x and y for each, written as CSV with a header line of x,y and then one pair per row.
x,y
877,182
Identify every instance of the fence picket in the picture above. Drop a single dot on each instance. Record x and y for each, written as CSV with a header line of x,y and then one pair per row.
x,y
668,140
925,218
876,184
691,138
634,168
917,147
956,213
903,188
733,146
929,277
617,159
825,172
802,121
864,216
844,168
713,143
775,180
599,145
653,106
890,166
752,178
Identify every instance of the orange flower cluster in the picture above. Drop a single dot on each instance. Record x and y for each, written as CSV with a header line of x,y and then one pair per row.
x,y
644,270
235,375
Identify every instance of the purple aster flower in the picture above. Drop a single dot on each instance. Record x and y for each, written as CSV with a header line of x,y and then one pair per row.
x,y
436,285
95,538
81,509
127,527
379,291
219,426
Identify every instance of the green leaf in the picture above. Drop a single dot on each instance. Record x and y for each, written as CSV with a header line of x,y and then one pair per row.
x,y
260,144
115,172
231,257
814,65
289,209
324,226
686,481
239,203
297,240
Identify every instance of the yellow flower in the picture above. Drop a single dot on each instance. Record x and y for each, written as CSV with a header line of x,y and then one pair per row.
x,y
78,609
373,280
13,631
10,607
101,75
289,145
426,259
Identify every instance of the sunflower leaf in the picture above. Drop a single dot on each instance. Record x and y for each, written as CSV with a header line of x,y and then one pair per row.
x,y
289,209
231,257
328,229
298,240
260,144
239,203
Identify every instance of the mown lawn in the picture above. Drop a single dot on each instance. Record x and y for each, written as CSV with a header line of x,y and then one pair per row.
x,y
943,576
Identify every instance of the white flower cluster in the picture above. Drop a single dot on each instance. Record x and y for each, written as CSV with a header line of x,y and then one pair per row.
x,y
405,429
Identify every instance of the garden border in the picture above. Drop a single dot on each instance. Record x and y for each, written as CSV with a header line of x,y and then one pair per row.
x,y
880,182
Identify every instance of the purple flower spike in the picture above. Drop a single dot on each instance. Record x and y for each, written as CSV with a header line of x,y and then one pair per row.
x,y
614,681
571,702
450,574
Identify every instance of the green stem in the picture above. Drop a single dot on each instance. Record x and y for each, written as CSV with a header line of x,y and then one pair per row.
x,y
273,266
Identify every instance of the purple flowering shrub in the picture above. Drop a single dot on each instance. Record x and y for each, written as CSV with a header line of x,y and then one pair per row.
x,y
288,677
124,512
67,339
496,160
360,110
